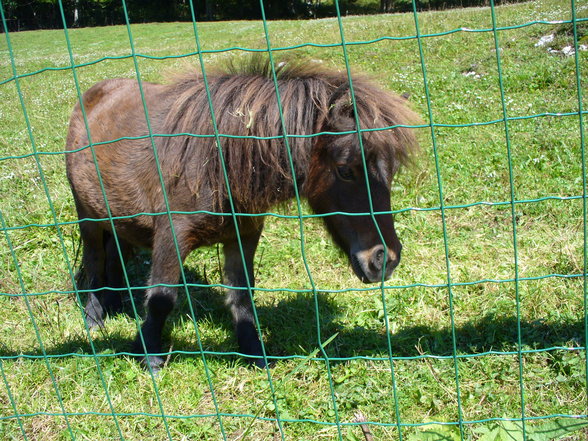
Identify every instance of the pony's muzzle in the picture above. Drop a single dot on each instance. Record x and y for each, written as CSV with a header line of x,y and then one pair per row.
x,y
376,263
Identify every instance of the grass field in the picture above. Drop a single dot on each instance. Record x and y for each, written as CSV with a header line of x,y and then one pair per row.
x,y
501,342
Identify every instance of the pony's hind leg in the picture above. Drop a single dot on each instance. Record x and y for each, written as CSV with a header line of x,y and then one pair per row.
x,y
114,261
93,260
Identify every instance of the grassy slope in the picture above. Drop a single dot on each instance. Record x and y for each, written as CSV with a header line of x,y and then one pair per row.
x,y
473,164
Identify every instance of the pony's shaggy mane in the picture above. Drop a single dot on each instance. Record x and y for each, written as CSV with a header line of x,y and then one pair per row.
x,y
243,97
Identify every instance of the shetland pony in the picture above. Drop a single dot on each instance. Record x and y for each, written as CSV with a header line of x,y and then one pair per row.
x,y
113,147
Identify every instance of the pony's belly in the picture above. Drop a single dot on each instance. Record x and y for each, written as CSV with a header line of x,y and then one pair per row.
x,y
138,232
130,227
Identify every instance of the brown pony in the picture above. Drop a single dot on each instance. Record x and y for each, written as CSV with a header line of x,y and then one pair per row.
x,y
328,170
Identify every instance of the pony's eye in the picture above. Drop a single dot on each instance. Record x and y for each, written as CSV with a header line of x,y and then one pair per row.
x,y
345,173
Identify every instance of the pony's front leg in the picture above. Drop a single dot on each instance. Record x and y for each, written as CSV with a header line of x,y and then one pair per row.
x,y
160,300
239,300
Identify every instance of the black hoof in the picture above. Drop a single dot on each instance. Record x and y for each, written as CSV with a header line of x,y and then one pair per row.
x,y
259,362
94,312
153,363
150,362
249,344
93,322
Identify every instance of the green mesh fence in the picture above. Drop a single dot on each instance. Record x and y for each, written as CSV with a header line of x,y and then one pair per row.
x,y
62,380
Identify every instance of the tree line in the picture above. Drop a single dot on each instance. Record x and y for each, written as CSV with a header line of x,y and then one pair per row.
x,y
49,14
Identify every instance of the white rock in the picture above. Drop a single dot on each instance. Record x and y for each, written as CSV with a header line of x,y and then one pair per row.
x,y
568,51
545,40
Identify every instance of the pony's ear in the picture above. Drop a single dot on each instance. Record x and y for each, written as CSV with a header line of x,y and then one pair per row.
x,y
340,101
340,112
341,109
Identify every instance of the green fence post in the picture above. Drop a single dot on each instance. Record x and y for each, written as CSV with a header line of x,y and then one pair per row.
x,y
584,183
513,215
442,209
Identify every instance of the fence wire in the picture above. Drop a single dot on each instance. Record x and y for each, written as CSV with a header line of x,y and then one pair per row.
x,y
397,421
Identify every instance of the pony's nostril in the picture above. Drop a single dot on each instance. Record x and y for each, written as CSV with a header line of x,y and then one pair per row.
x,y
377,260
380,257
391,264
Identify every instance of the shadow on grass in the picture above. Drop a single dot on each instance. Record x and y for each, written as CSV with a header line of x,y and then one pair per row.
x,y
290,328
297,334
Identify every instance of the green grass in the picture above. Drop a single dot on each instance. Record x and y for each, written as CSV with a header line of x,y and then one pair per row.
x,y
464,88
